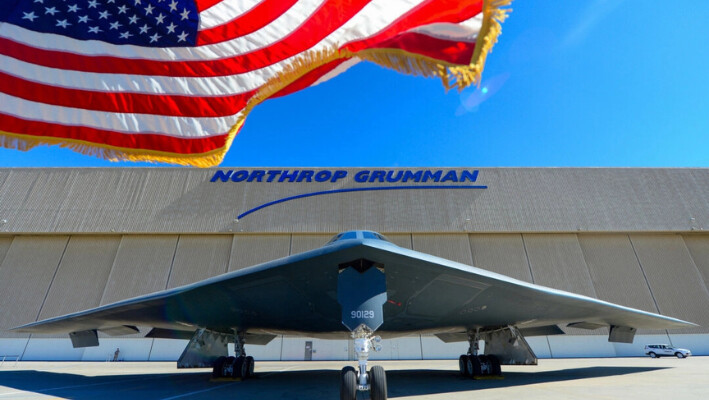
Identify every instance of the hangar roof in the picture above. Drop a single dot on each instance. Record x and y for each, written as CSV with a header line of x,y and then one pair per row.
x,y
297,199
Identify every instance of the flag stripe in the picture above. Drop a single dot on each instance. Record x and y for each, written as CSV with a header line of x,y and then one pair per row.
x,y
217,12
256,18
148,141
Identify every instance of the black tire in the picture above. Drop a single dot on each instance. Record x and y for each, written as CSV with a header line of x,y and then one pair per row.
x,y
250,365
495,365
239,367
463,364
348,384
652,354
484,362
679,355
348,368
228,363
477,368
378,383
217,367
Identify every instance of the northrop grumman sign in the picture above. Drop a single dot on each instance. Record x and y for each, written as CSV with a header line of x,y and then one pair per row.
x,y
362,176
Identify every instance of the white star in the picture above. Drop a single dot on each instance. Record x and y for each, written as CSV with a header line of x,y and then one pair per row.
x,y
149,9
122,9
125,35
137,2
159,19
182,37
185,14
115,25
63,23
155,38
39,1
111,1
173,5
104,15
95,29
74,8
30,16
93,3
52,10
84,19
144,28
133,19
171,28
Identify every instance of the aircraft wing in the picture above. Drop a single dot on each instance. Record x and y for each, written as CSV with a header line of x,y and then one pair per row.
x,y
299,295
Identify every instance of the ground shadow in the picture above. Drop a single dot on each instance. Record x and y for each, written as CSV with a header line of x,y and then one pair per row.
x,y
311,384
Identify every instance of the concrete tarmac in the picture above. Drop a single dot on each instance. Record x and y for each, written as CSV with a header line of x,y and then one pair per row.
x,y
605,378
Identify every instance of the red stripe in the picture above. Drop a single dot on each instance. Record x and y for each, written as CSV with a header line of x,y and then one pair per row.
x,y
256,18
323,22
162,143
309,78
205,4
454,52
123,102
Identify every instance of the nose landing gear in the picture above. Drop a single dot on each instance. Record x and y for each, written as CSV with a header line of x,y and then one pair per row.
x,y
353,380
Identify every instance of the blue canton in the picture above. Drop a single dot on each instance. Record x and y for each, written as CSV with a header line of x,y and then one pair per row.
x,y
152,23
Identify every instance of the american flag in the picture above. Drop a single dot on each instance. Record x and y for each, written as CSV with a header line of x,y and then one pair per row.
x,y
173,80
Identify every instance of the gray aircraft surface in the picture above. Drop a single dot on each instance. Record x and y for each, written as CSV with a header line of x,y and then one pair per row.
x,y
356,285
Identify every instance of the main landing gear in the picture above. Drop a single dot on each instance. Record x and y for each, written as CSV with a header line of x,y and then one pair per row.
x,y
241,366
476,366
374,381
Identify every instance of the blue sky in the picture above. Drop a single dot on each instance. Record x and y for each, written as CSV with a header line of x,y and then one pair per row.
x,y
570,83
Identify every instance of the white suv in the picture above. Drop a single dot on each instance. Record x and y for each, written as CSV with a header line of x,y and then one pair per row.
x,y
659,350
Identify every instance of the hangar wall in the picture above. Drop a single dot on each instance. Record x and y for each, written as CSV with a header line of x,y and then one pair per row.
x,y
72,239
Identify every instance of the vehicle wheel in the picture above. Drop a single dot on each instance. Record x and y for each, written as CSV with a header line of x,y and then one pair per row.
x,y
495,365
250,365
484,365
469,366
476,367
228,367
463,365
679,355
348,368
217,367
378,383
652,354
239,368
348,384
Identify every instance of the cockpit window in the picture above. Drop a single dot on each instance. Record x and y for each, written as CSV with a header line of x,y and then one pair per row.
x,y
370,235
356,234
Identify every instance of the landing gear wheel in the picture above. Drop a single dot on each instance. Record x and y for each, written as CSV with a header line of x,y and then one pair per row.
x,y
250,364
378,383
217,368
348,384
476,366
228,367
348,368
239,370
463,364
495,368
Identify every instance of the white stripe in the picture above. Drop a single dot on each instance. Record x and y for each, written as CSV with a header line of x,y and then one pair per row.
x,y
185,127
373,18
467,31
225,11
277,30
337,70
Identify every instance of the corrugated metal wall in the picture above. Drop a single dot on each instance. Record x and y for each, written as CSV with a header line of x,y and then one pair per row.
x,y
653,272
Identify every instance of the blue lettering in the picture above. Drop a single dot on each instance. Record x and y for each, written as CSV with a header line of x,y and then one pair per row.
x,y
222,176
472,176
256,174
391,178
272,174
239,176
339,174
323,176
306,175
291,177
415,176
436,176
377,175
361,176
450,176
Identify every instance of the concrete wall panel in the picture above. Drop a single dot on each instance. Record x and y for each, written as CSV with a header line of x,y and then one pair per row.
x,y
501,253
26,273
250,250
167,349
131,349
675,282
435,349
454,247
199,257
142,266
5,242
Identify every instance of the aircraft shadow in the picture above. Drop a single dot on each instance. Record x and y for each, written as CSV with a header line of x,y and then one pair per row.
x,y
310,384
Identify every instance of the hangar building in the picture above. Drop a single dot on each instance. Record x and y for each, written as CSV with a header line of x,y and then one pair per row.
x,y
72,239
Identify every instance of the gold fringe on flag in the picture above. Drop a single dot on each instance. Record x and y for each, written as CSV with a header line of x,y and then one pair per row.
x,y
451,75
